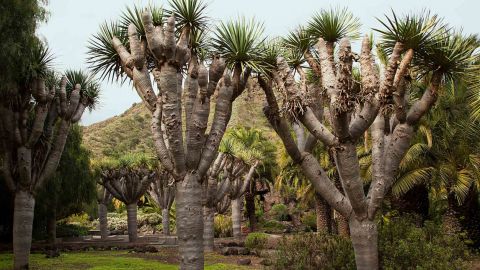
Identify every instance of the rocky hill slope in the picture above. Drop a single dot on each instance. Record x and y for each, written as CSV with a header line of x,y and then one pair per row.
x,y
130,131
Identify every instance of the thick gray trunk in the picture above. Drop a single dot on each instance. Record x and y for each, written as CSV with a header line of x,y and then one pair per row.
x,y
22,228
208,229
102,217
364,236
132,222
166,221
237,217
190,222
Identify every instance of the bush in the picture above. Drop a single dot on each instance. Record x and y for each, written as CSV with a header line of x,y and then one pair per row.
x,y
404,246
273,226
256,240
280,212
71,230
309,220
314,251
223,226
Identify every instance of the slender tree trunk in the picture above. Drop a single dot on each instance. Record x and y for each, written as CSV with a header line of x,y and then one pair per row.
x,y
237,217
364,237
132,222
52,226
190,222
323,215
450,223
250,208
22,228
166,221
208,229
342,225
102,218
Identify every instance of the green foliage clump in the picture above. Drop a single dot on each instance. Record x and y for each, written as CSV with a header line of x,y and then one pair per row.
x,y
404,246
309,220
223,226
71,230
256,240
314,251
280,212
273,226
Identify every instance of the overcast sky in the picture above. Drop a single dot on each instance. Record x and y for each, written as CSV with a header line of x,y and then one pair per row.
x,y
73,22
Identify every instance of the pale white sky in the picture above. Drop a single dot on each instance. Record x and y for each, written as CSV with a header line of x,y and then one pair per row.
x,y
73,22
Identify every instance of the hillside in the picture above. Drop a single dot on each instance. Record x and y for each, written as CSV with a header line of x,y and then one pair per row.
x,y
130,131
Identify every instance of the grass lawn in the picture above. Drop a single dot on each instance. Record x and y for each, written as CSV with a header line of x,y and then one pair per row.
x,y
102,260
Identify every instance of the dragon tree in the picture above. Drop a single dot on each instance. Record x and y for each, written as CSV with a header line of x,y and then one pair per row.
x,y
36,114
341,106
103,199
186,74
127,179
162,191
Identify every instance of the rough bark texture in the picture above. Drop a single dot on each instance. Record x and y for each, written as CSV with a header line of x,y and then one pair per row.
x,y
342,225
322,210
208,232
190,222
166,221
132,222
364,236
237,217
22,228
102,218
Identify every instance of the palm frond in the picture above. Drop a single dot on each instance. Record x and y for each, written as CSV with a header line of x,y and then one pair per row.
x,y
189,13
334,24
418,31
453,55
239,43
102,57
134,15
90,87
411,179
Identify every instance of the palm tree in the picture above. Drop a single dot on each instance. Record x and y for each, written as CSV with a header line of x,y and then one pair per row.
x,y
420,46
185,151
37,114
127,179
257,148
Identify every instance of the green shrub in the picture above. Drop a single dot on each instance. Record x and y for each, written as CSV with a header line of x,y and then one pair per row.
x,y
309,220
71,230
314,251
404,246
256,240
223,226
279,212
273,226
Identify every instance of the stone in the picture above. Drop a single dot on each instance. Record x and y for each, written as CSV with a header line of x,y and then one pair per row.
x,y
227,251
243,251
244,261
